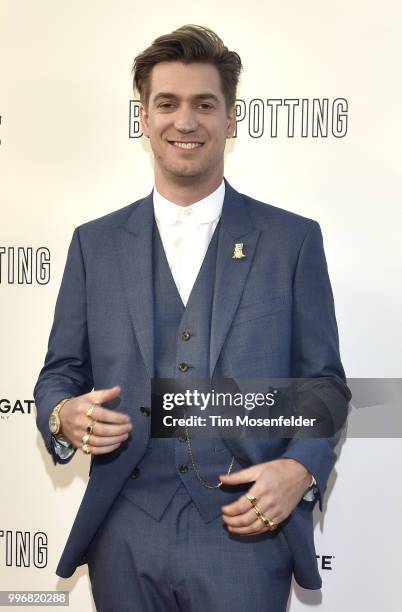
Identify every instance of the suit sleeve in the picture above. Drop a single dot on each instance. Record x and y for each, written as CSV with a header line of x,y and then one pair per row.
x,y
67,370
315,355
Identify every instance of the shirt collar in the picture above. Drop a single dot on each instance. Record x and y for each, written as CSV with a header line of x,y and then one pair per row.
x,y
205,210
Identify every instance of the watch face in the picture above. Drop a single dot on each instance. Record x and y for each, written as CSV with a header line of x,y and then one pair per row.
x,y
54,423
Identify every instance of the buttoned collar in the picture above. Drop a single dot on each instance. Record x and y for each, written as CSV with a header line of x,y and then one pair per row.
x,y
205,210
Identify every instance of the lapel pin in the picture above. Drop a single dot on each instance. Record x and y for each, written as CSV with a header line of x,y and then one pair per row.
x,y
238,251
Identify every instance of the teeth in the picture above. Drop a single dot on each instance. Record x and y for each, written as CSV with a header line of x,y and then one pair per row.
x,y
187,145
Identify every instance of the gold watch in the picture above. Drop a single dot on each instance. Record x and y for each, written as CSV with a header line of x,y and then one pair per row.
x,y
54,419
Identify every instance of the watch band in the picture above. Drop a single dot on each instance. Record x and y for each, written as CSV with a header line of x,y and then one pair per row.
x,y
60,405
55,415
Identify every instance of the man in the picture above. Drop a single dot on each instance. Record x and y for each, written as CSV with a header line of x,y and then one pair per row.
x,y
193,281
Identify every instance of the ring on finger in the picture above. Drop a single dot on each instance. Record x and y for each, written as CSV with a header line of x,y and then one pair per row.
x,y
265,519
90,409
252,499
85,438
86,448
91,425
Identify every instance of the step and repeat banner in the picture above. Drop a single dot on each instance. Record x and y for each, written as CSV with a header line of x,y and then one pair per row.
x,y
318,133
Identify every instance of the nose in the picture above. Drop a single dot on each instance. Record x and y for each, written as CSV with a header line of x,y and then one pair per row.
x,y
185,119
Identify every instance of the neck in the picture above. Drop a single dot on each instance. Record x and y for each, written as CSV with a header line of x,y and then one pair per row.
x,y
184,191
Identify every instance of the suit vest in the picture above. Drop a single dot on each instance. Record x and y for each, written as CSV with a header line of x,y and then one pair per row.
x,y
167,464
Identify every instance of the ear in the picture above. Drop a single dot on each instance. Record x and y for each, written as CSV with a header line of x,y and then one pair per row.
x,y
144,118
231,122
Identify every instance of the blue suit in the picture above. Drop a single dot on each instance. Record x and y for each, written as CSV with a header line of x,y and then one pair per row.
x,y
271,315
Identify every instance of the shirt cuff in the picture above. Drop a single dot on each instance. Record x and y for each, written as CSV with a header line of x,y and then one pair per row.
x,y
63,448
311,491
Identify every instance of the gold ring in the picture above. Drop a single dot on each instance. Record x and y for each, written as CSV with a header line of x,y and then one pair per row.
x,y
257,510
86,449
272,525
90,409
252,499
265,519
91,425
85,438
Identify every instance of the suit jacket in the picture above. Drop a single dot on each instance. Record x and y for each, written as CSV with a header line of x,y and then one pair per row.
x,y
272,316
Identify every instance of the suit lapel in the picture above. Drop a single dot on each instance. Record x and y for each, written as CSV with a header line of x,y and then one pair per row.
x,y
231,274
133,241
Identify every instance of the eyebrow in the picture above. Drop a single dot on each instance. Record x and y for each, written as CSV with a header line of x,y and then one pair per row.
x,y
200,96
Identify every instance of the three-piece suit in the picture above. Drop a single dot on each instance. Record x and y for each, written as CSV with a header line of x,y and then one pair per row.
x,y
119,320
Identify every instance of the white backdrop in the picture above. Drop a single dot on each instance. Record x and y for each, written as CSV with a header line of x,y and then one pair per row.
x,y
67,157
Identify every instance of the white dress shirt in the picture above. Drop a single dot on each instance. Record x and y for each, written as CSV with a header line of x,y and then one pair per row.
x,y
186,232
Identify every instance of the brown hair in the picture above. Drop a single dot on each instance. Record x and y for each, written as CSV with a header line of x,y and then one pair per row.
x,y
188,44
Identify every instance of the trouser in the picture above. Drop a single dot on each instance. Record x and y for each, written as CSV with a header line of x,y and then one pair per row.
x,y
138,564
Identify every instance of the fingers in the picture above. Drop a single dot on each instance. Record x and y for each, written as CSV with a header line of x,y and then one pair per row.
x,y
249,474
241,518
247,518
105,437
254,528
100,445
101,429
105,415
240,506
99,413
249,523
111,427
104,395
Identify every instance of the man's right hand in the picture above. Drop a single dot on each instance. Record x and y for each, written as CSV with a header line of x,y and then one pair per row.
x,y
111,427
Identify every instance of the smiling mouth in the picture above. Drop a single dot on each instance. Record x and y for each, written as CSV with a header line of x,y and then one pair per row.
x,y
185,145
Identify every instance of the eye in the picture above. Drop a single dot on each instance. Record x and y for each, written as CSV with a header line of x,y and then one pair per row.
x,y
166,105
205,106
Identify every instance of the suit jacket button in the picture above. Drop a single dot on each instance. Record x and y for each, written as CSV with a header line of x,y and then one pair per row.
x,y
185,335
183,366
135,473
145,411
183,468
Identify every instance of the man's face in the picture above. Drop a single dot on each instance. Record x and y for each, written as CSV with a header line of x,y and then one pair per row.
x,y
187,121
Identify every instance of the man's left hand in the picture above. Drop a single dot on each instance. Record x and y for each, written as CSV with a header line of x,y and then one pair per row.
x,y
278,486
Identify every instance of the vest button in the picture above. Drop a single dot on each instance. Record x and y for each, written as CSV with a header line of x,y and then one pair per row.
x,y
185,335
183,468
145,411
135,473
182,437
183,366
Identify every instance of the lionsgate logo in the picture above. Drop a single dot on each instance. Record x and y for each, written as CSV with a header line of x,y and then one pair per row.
x,y
10,408
23,548
325,562
278,118
24,265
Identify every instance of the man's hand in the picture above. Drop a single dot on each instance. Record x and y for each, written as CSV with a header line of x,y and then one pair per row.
x,y
111,427
278,486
